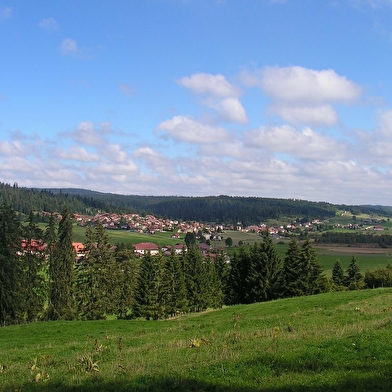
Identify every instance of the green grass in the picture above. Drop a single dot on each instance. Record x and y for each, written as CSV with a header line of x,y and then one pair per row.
x,y
331,342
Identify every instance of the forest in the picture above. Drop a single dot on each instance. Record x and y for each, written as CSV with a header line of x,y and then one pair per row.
x,y
213,209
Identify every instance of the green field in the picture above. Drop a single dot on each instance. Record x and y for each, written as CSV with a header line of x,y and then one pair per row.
x,y
330,342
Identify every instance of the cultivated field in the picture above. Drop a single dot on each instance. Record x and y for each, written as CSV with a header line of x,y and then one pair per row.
x,y
330,342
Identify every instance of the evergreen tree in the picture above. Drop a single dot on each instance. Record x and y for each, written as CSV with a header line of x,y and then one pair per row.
x,y
234,283
61,270
190,239
127,267
174,288
196,280
316,281
34,265
354,278
256,277
222,273
149,299
214,293
273,267
96,286
11,274
338,279
293,283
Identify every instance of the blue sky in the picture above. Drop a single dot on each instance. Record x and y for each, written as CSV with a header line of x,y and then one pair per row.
x,y
268,98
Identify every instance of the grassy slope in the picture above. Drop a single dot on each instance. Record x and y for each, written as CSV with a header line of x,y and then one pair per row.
x,y
330,342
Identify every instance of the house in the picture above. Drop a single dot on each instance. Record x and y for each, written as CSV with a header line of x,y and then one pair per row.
x,y
146,247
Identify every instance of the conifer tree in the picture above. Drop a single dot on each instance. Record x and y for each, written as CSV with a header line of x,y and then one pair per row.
x,y
234,283
222,273
196,280
61,271
34,265
293,283
256,277
127,267
354,278
273,267
149,299
316,282
11,274
174,288
96,283
338,278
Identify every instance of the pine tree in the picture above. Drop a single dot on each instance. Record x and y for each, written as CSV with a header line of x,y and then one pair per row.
x,y
61,270
34,265
354,278
273,267
11,274
222,273
338,279
256,278
174,288
234,283
316,281
127,267
96,283
149,299
293,283
196,280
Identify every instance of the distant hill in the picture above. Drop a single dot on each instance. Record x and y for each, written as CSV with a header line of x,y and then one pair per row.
x,y
218,209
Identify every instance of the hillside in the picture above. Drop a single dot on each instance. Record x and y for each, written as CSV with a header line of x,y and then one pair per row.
x,y
218,209
330,342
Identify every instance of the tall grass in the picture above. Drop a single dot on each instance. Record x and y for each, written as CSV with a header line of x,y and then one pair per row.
x,y
330,342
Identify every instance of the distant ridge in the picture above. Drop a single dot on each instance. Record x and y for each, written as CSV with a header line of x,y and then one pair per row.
x,y
218,209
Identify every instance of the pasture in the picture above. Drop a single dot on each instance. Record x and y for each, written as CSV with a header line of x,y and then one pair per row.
x,y
338,341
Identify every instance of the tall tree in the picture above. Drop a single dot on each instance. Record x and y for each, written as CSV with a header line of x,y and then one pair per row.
x,y
174,288
338,279
234,282
354,278
312,270
61,271
127,267
11,275
149,299
293,282
34,265
96,281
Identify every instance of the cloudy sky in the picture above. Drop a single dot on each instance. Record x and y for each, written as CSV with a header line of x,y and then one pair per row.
x,y
269,98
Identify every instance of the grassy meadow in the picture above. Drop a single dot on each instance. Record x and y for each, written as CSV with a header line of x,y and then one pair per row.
x,y
330,342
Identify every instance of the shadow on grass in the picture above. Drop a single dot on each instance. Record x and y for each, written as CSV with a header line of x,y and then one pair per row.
x,y
381,383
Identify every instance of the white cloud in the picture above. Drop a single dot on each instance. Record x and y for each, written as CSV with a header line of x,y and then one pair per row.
x,y
305,144
230,109
186,129
86,133
298,84
68,46
215,85
49,24
302,95
221,95
312,115
76,153
5,13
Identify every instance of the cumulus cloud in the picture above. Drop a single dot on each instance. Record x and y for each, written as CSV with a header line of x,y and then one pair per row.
x,y
87,133
221,95
68,46
215,85
186,129
305,144
312,115
302,95
49,24
76,153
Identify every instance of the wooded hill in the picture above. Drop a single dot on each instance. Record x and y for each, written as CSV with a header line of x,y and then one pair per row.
x,y
218,209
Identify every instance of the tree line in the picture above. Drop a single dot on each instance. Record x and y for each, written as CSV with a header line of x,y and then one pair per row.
x,y
330,237
41,279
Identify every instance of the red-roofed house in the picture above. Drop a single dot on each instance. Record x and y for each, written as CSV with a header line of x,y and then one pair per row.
x,y
145,247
